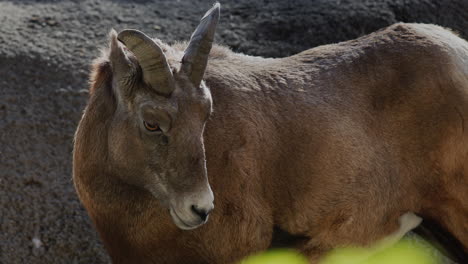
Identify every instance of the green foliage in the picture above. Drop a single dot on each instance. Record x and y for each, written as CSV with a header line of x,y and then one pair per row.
x,y
404,252
276,257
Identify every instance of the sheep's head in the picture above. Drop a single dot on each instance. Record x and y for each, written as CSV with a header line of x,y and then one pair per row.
x,y
156,135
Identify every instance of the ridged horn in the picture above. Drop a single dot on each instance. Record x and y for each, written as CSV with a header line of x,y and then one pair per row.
x,y
156,71
196,54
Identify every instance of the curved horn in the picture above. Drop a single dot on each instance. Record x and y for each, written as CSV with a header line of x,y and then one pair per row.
x,y
156,71
196,55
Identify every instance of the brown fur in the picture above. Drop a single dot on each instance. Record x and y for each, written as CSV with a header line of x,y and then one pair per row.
x,y
332,144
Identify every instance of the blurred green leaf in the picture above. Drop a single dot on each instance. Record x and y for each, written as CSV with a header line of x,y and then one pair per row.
x,y
276,257
404,252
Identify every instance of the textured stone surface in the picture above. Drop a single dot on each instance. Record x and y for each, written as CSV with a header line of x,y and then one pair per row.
x,y
45,49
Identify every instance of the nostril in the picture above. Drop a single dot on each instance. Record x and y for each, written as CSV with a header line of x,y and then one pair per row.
x,y
200,212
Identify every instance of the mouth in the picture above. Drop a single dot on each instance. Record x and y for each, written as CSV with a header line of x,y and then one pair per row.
x,y
181,223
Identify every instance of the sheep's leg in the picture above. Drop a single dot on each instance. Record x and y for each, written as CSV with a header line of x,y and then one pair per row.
x,y
408,221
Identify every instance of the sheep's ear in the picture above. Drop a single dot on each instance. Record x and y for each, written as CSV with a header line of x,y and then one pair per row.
x,y
123,70
196,55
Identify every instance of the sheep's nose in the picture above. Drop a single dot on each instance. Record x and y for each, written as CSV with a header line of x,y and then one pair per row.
x,y
202,213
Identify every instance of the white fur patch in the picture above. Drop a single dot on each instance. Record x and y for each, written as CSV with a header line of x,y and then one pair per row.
x,y
408,222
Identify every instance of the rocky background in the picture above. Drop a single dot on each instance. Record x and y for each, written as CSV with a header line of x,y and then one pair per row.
x,y
46,47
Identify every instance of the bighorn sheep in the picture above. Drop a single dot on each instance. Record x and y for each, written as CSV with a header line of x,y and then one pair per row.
x,y
333,144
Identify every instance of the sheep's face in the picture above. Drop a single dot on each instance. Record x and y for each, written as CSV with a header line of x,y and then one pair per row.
x,y
156,135
156,142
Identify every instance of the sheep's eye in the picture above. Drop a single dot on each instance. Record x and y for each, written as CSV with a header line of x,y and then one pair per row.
x,y
151,127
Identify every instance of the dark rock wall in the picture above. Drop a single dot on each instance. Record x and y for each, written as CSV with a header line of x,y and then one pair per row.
x,y
281,28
